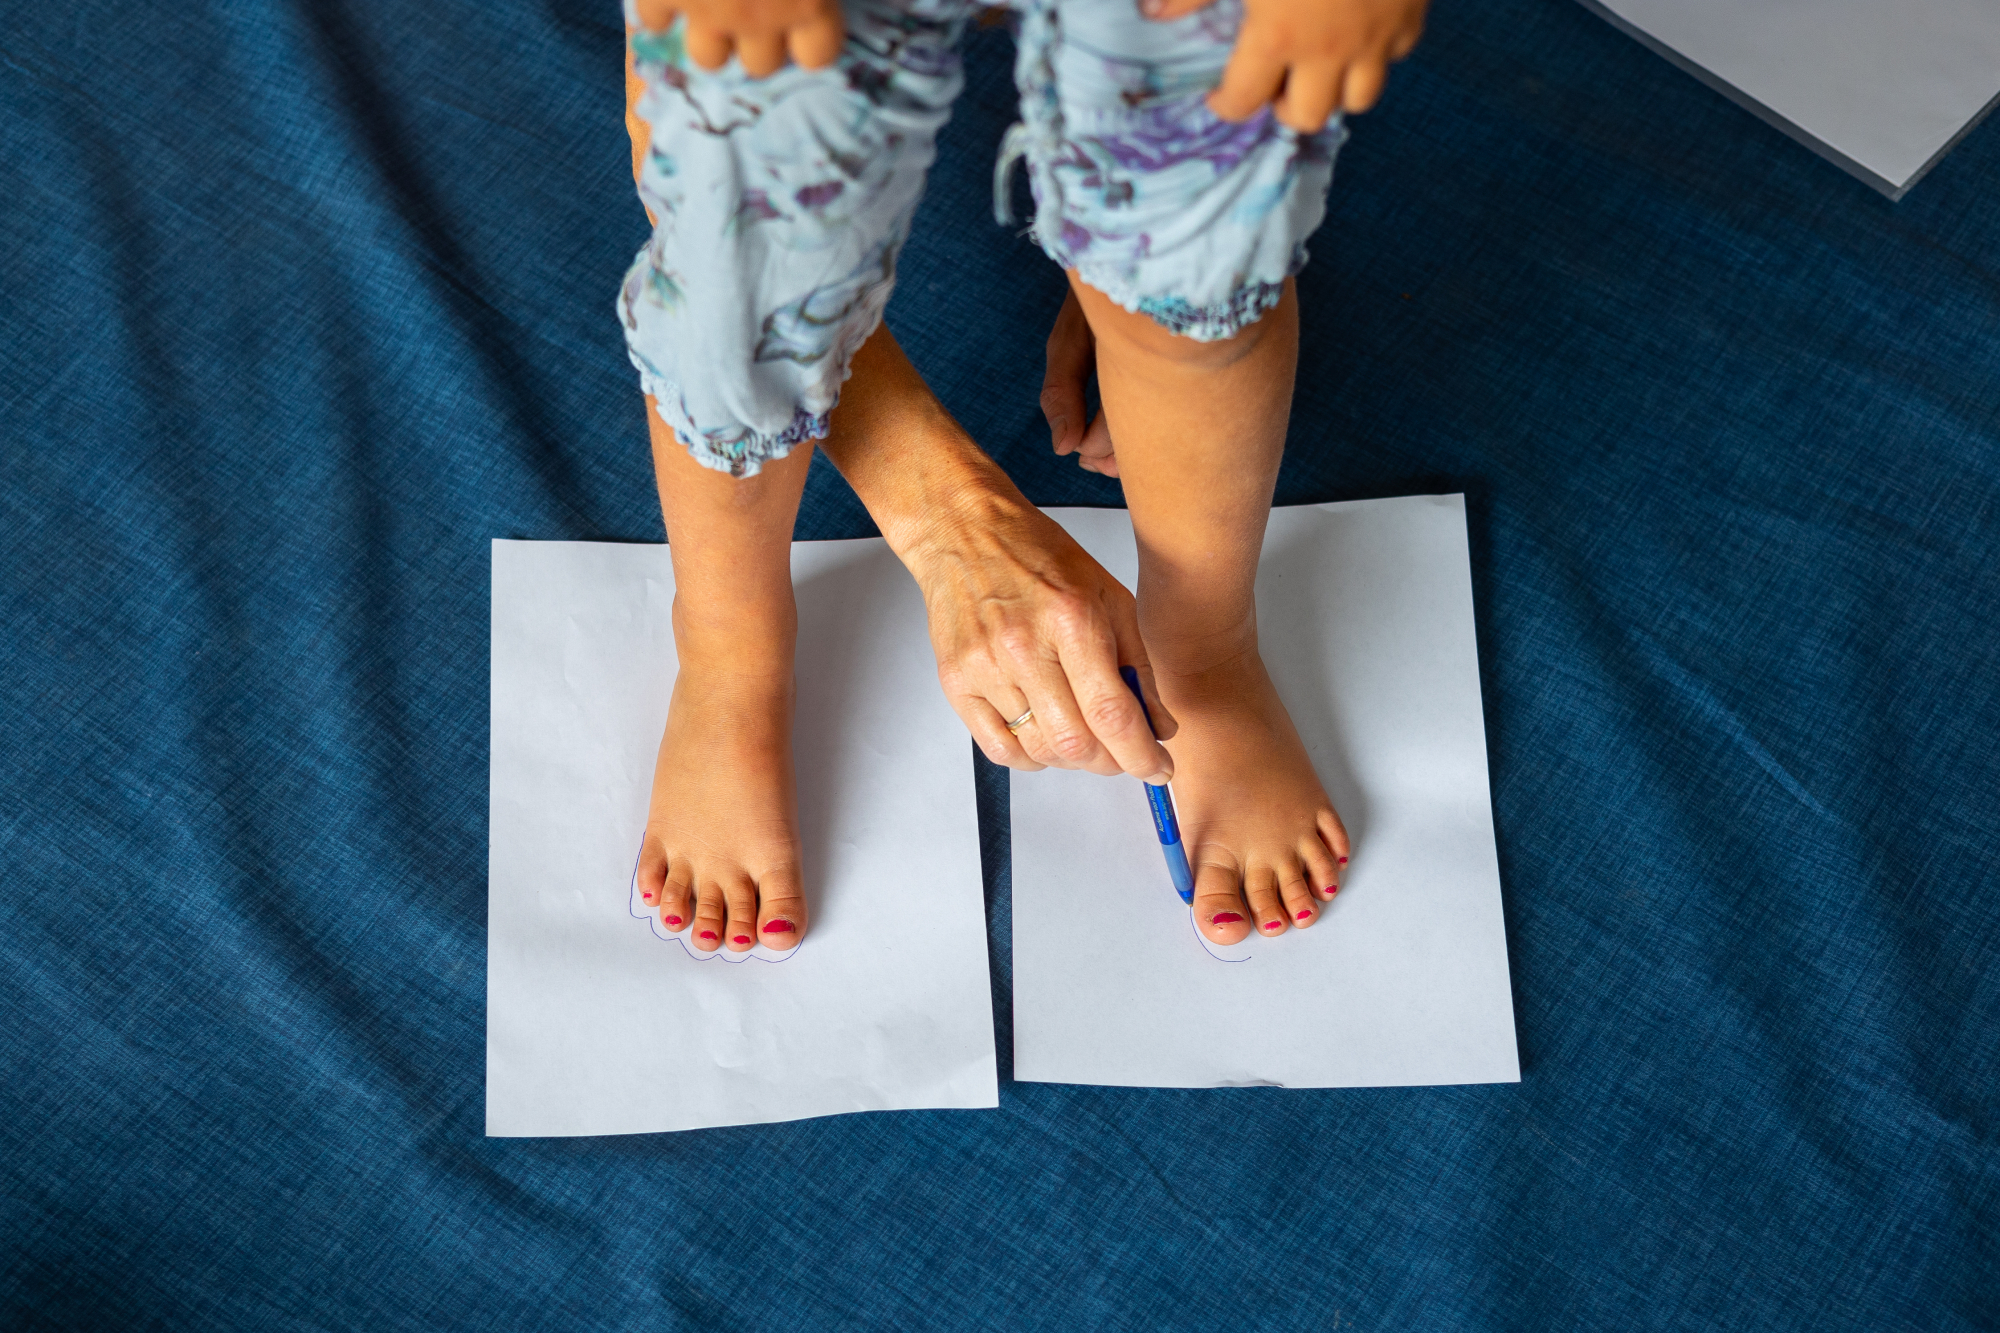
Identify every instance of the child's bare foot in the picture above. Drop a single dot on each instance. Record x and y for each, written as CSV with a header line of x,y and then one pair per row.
x,y
1264,840
721,855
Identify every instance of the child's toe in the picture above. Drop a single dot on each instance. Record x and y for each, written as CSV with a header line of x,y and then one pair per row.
x,y
677,897
711,917
1297,895
741,930
1267,906
1219,909
1333,837
651,876
1322,870
781,910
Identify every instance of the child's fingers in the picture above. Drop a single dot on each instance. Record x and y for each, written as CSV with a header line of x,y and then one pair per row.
x,y
817,44
655,14
1255,72
1363,86
1311,93
1096,453
1071,353
707,47
762,53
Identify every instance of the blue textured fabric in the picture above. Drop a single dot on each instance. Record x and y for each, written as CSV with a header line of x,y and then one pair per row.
x,y
306,301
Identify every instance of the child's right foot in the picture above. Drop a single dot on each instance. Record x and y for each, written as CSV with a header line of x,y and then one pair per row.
x,y
1266,844
721,855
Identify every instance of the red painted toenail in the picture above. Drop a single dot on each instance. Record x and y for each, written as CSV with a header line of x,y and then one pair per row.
x,y
742,939
777,927
1343,860
708,934
649,897
673,921
1305,912
1224,918
1273,925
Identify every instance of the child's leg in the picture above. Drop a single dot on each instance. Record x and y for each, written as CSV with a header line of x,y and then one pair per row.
x,y
1200,429
722,844
778,206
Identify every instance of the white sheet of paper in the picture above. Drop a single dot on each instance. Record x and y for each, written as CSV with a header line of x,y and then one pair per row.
x,y
1882,87
1365,616
598,1023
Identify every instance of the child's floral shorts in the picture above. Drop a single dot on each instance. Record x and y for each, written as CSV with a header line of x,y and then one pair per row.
x,y
781,204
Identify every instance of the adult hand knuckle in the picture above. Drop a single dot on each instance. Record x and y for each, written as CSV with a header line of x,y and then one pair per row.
x,y
1071,613
1108,714
1017,641
1073,745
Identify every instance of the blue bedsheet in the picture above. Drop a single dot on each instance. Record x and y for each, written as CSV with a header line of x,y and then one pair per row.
x,y
304,302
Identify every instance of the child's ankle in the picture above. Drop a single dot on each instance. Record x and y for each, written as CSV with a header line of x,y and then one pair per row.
x,y
748,647
1178,646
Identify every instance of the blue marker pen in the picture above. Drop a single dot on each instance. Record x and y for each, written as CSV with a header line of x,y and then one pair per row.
x,y
1164,823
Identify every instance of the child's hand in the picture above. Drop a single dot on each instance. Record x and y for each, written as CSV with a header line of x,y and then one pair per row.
x,y
760,32
1309,58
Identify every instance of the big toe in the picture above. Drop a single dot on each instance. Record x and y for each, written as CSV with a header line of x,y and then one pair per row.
x,y
1219,910
781,910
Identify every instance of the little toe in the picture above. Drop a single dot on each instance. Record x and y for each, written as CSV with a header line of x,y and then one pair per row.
x,y
651,875
1334,834
1267,907
781,910
711,917
1219,909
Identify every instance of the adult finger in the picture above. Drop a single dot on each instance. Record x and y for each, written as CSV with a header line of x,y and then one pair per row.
x,y
1311,93
1255,72
1058,735
816,44
762,54
655,14
707,47
1363,87
1071,354
982,717
1091,654
1165,11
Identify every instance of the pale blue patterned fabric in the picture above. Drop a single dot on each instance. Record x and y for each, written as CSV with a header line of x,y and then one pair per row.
x,y
781,205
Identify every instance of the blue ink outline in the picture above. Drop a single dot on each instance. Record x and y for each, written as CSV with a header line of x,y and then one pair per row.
x,y
1199,937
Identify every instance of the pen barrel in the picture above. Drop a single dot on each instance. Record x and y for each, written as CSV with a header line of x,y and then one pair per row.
x,y
1164,822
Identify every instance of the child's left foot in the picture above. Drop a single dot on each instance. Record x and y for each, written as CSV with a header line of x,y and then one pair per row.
x,y
1266,845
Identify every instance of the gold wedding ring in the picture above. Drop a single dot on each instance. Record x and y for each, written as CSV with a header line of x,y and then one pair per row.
x,y
1015,726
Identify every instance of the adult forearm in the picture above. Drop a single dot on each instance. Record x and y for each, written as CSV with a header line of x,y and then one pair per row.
x,y
917,471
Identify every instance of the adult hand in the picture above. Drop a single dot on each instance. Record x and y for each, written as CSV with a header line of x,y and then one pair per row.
x,y
1023,619
1307,58
1071,357
760,32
